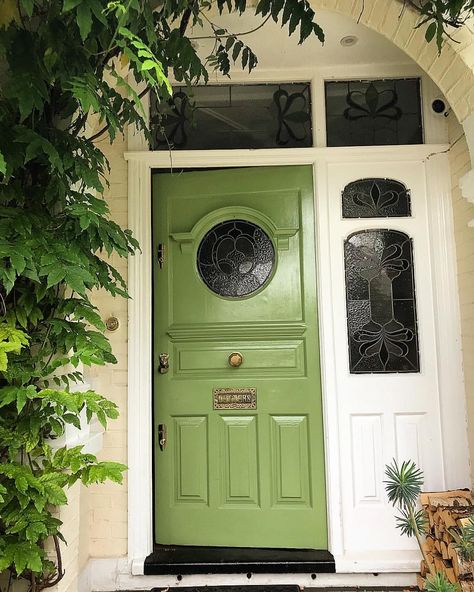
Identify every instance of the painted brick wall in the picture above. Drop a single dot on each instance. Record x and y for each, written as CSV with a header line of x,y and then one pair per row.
x,y
463,212
106,505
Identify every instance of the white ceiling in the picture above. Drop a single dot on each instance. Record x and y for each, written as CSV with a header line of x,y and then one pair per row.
x,y
275,49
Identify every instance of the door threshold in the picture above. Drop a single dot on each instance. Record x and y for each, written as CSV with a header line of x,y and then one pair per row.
x,y
186,560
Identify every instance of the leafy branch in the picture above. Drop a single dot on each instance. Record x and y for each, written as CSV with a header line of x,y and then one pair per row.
x,y
441,16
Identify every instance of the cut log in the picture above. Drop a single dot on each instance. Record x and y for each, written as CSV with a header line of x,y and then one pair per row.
x,y
467,586
447,517
444,550
420,582
444,494
423,568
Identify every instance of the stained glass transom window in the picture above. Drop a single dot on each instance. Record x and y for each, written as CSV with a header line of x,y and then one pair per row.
x,y
375,198
381,308
235,258
373,112
234,116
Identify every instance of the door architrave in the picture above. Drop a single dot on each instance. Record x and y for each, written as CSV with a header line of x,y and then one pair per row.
x,y
448,328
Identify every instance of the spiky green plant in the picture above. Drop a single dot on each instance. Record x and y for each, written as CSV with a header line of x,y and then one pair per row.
x,y
403,484
439,583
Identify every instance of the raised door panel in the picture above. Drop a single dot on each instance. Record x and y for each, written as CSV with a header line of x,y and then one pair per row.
x,y
261,359
290,461
238,456
190,445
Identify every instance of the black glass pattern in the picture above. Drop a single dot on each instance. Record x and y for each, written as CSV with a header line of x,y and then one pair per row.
x,y
373,112
375,198
381,308
235,258
233,116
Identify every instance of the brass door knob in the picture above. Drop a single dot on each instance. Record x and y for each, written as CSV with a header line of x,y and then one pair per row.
x,y
236,359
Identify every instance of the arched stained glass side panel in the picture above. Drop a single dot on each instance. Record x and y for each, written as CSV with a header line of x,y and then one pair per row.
x,y
380,298
375,198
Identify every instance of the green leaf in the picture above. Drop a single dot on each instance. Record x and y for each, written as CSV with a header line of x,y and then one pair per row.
x,y
35,530
3,164
148,65
430,31
55,494
21,399
27,556
84,19
27,6
70,4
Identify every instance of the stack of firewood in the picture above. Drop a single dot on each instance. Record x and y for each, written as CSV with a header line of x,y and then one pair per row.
x,y
446,513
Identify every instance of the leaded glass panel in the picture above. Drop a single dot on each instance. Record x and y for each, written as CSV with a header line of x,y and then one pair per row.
x,y
375,198
235,258
380,297
373,112
234,116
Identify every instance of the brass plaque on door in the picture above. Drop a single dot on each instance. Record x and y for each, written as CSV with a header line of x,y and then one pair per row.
x,y
235,398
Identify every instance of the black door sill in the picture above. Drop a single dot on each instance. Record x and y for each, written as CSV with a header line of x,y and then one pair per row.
x,y
185,560
272,588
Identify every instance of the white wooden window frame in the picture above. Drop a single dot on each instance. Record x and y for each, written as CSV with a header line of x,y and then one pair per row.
x,y
447,329
435,129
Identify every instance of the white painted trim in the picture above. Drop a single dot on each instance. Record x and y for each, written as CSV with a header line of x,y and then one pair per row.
x,y
110,575
141,164
452,398
272,157
140,457
328,366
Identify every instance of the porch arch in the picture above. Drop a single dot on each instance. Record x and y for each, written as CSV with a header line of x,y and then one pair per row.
x,y
452,71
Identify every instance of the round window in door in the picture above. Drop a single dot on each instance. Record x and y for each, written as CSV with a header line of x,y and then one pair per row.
x,y
235,258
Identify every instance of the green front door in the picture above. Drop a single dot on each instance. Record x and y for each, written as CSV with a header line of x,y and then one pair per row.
x,y
239,457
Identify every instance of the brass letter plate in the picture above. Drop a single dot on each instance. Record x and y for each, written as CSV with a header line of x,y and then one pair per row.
x,y
235,398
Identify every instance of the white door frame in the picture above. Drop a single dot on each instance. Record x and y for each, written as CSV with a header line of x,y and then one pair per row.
x,y
448,331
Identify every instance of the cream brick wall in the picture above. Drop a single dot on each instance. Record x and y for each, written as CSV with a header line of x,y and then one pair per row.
x,y
71,518
463,212
106,505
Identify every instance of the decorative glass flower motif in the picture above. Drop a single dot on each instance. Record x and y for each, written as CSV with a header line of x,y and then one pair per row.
x,y
171,123
372,104
376,200
291,112
382,341
375,197
372,264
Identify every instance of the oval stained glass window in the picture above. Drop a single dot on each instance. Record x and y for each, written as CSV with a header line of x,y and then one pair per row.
x,y
235,258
